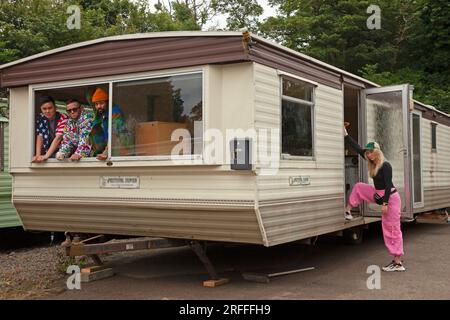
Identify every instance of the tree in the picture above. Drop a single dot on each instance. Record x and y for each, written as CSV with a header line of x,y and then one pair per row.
x,y
336,31
241,13
411,46
424,58
191,12
28,27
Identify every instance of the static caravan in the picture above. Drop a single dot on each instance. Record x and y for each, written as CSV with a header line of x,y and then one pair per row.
x,y
230,138
8,215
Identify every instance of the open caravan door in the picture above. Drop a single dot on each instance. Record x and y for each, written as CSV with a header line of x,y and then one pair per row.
x,y
385,113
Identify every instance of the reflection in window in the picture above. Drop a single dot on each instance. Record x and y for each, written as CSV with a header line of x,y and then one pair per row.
x,y
433,137
297,118
155,110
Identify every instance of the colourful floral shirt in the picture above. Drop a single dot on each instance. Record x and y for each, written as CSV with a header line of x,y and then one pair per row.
x,y
76,136
99,133
44,129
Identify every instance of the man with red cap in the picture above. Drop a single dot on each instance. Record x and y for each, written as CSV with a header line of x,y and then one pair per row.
x,y
99,134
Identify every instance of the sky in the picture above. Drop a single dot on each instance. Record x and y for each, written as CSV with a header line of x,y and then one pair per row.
x,y
221,20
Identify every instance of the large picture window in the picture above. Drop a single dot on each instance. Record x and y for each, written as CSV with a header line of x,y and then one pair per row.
x,y
147,117
159,113
297,118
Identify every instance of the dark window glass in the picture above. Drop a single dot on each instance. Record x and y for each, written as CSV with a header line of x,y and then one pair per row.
x,y
297,89
296,129
433,136
156,112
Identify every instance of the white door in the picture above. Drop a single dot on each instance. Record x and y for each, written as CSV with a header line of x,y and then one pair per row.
x,y
385,113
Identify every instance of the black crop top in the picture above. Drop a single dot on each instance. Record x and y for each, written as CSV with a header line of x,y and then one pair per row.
x,y
383,178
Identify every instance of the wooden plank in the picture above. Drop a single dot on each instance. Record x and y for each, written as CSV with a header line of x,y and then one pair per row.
x,y
97,275
215,283
289,272
93,269
434,217
265,277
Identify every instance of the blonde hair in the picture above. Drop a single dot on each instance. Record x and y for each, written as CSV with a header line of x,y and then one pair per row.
x,y
375,165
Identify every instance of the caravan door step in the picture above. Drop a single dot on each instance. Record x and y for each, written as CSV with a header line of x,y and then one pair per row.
x,y
433,217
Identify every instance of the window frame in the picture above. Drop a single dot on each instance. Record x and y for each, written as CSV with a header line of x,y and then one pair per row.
x,y
434,126
311,104
110,81
2,146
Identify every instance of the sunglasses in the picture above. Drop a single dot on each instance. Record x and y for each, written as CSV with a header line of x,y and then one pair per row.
x,y
73,110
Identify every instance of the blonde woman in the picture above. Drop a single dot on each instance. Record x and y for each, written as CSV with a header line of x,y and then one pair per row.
x,y
384,193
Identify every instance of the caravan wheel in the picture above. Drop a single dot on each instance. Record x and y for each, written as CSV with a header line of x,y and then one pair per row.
x,y
353,236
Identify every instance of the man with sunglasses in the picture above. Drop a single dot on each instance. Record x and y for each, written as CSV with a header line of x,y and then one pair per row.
x,y
75,144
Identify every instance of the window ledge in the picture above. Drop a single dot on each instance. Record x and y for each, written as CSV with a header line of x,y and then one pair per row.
x,y
297,158
94,163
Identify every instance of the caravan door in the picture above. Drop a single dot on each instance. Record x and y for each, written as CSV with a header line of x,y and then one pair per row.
x,y
385,113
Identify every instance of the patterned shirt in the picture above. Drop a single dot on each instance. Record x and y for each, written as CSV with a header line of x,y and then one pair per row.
x,y
44,129
99,133
76,136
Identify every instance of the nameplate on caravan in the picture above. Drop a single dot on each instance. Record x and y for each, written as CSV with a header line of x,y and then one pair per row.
x,y
299,181
118,182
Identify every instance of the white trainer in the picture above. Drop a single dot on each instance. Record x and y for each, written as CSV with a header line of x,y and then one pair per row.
x,y
348,216
393,266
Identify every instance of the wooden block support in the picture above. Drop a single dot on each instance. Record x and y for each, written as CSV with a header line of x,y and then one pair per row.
x,y
92,269
96,275
434,217
215,283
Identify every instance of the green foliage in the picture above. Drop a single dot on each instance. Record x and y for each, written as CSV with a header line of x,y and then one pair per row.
x,y
411,46
241,13
28,27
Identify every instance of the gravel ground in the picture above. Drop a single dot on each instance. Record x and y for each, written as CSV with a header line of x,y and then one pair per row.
x,y
30,268
30,273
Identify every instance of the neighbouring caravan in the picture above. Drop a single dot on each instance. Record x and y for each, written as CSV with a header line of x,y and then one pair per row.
x,y
228,138
8,215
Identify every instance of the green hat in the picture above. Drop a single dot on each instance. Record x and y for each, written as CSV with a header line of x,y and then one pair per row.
x,y
372,146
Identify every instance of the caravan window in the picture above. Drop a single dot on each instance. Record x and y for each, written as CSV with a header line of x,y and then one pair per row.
x,y
434,137
51,122
162,116
3,145
159,116
297,118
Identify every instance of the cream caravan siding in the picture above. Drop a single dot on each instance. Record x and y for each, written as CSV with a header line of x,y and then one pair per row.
x,y
20,129
205,202
290,213
192,204
436,168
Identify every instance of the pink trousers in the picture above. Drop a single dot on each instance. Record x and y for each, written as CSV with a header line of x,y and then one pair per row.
x,y
390,221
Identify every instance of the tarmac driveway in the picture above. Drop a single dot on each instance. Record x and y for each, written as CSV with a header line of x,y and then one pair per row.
x,y
340,271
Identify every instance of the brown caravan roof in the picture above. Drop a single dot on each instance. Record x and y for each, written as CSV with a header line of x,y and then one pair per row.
x,y
164,50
